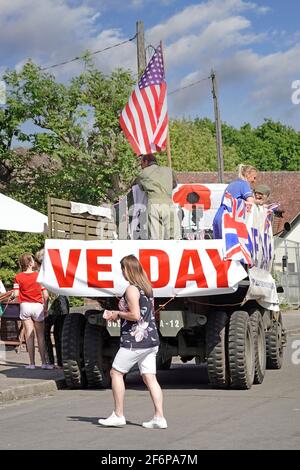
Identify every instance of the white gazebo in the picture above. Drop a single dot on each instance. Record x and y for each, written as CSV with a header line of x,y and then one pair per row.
x,y
16,216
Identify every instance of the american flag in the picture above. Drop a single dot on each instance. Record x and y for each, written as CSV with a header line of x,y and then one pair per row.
x,y
144,119
238,244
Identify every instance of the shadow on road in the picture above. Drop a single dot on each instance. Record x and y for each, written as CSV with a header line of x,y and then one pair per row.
x,y
180,376
94,421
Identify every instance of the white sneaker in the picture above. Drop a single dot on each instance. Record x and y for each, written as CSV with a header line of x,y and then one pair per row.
x,y
30,366
156,423
47,366
113,420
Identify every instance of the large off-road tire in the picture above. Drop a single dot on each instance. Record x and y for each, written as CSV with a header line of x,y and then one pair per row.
x,y
57,331
162,365
72,350
259,340
217,366
97,367
241,351
274,341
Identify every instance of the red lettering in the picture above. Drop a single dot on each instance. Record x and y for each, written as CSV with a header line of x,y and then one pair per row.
x,y
93,268
163,266
183,272
221,267
64,280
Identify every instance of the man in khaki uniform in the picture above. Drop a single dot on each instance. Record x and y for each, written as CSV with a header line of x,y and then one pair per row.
x,y
158,182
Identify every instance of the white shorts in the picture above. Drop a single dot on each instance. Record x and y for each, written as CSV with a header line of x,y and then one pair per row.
x,y
32,310
145,358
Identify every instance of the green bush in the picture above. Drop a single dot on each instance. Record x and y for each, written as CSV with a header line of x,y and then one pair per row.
x,y
12,245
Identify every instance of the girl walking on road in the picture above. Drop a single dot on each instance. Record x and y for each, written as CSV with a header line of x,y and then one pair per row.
x,y
139,344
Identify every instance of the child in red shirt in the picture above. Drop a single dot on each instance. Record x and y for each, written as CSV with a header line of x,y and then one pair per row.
x,y
33,300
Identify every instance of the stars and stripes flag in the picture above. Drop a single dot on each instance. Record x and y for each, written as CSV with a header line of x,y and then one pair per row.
x,y
238,244
144,120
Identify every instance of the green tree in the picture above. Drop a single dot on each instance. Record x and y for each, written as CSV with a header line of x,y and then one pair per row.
x,y
285,144
13,245
78,132
193,147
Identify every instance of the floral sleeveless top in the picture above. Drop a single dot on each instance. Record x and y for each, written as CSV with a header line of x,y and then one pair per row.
x,y
143,333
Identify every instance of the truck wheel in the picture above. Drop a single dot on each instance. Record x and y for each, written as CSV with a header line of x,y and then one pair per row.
x,y
274,340
216,349
160,365
241,351
57,331
259,340
97,367
72,350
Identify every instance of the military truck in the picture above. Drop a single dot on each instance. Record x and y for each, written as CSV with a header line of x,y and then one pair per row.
x,y
208,308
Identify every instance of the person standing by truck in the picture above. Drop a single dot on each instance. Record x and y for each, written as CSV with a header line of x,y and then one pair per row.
x,y
239,189
262,193
138,344
33,307
158,183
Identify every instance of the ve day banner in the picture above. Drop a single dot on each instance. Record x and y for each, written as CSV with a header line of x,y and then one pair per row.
x,y
175,267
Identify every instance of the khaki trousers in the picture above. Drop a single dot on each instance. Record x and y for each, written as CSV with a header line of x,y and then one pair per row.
x,y
163,221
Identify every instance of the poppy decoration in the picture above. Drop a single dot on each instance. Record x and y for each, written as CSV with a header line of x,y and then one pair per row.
x,y
191,195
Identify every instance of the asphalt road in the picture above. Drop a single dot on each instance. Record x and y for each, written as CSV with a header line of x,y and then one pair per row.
x,y
265,417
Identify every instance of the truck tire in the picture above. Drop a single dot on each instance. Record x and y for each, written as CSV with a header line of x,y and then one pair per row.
x,y
57,331
274,341
259,340
97,367
160,365
241,351
217,366
72,350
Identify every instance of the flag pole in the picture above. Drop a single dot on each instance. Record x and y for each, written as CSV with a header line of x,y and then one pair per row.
x,y
168,148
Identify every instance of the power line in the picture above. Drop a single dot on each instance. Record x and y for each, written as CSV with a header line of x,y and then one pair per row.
x,y
92,53
188,86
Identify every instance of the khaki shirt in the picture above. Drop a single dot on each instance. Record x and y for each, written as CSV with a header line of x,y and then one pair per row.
x,y
158,182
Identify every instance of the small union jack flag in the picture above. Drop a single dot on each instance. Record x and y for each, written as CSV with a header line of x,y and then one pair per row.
x,y
238,244
271,208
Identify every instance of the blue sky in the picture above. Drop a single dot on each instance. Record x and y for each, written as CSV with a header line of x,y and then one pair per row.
x,y
254,47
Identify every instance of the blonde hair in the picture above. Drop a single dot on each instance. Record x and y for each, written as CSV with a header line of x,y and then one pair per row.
x,y
39,256
135,274
245,170
25,260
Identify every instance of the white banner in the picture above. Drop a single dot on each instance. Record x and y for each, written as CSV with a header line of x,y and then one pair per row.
x,y
263,289
259,226
205,198
175,267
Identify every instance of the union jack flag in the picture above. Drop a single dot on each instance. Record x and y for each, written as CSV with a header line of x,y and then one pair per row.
x,y
238,244
271,208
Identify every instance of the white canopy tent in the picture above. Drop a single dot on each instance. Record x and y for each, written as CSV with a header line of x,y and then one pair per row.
x,y
16,216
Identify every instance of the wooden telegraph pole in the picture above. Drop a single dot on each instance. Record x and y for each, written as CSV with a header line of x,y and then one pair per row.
x,y
214,91
142,63
140,43
168,135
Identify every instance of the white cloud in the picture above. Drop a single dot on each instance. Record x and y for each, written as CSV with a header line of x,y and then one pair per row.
x,y
212,33
52,31
267,80
207,45
42,29
197,16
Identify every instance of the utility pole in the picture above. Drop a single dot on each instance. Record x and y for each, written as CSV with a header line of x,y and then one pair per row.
x,y
140,43
214,91
168,147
